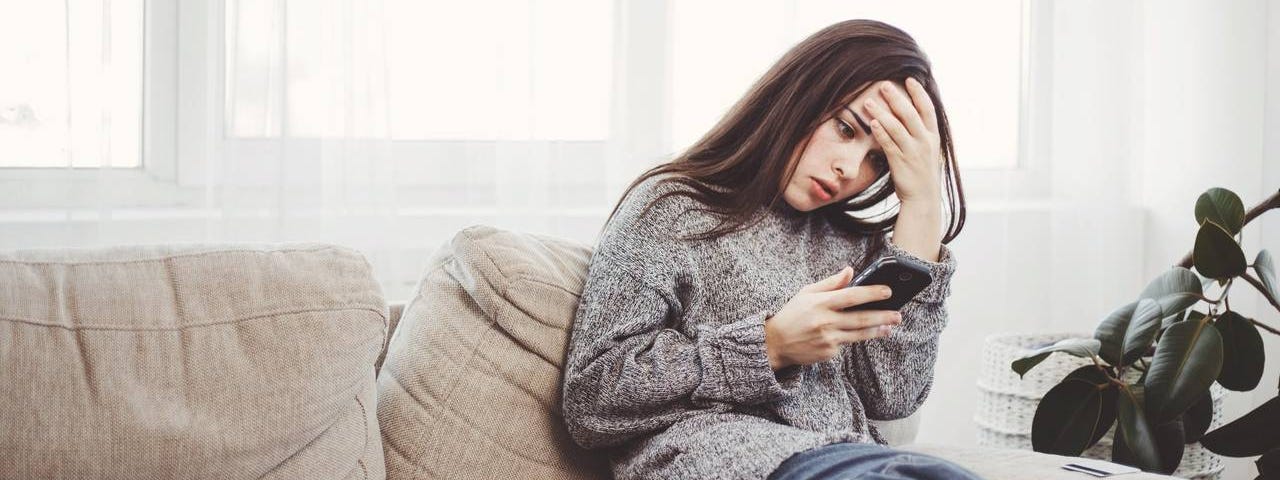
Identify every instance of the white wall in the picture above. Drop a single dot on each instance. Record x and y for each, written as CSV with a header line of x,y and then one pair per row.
x,y
1152,103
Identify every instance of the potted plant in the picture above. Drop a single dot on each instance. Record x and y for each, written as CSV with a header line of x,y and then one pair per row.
x,y
1180,335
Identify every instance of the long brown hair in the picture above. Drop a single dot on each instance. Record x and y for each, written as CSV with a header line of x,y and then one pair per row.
x,y
744,161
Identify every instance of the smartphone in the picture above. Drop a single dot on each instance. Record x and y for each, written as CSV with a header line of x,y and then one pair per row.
x,y
906,277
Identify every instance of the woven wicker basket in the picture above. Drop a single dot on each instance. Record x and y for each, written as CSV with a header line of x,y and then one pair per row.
x,y
1008,404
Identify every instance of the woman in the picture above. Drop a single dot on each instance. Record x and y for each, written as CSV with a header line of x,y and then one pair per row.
x,y
703,347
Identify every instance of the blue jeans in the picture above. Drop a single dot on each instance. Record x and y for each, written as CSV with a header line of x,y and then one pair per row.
x,y
866,460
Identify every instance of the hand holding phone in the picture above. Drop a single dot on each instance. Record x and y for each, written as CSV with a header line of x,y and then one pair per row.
x,y
813,326
904,276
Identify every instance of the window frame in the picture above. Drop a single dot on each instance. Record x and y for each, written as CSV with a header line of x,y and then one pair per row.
x,y
152,182
1028,179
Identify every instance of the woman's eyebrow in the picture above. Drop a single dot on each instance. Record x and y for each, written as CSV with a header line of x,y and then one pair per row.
x,y
858,119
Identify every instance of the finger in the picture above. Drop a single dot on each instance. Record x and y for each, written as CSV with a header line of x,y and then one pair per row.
x,y
860,319
896,133
857,295
853,336
839,280
903,108
924,104
890,147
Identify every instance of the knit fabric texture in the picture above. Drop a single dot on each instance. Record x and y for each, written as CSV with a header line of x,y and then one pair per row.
x,y
667,372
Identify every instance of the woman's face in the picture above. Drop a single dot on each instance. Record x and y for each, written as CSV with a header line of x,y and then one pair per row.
x,y
840,158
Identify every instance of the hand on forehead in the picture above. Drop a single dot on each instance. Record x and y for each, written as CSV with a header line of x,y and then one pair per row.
x,y
874,92
903,109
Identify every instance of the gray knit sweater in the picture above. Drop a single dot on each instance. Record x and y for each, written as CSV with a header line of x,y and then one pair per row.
x,y
667,369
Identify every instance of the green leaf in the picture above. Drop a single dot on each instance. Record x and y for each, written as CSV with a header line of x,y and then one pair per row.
x,y
1253,434
1242,353
1196,419
1111,332
1080,347
1175,289
1091,374
1140,331
1187,361
1267,273
1134,441
1221,206
1167,321
1073,415
1269,464
1170,445
1101,380
1216,254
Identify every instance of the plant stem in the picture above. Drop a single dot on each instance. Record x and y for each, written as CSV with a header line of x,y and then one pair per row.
x,y
1265,326
1268,204
1105,373
1261,289
1226,288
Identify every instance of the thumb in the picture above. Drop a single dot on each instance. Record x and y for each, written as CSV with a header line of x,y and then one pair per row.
x,y
834,282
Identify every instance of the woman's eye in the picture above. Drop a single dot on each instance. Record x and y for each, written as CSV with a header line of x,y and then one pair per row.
x,y
844,128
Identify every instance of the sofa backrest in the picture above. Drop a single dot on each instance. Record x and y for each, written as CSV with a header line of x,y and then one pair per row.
x,y
189,361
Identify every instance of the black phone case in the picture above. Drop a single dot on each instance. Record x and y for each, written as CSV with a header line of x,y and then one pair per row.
x,y
906,277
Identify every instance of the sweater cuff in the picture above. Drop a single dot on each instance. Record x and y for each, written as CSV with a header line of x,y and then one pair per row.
x,y
941,271
735,366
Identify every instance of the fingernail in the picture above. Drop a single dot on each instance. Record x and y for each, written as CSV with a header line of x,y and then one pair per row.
x,y
884,329
886,292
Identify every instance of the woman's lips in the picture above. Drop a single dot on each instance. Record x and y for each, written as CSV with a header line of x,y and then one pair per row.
x,y
818,191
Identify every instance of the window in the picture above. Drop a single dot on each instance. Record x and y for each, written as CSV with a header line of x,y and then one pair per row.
x,y
71,95
453,70
102,83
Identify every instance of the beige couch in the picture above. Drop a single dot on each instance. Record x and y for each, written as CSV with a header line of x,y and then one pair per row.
x,y
285,361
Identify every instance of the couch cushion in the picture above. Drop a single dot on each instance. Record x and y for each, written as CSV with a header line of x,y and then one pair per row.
x,y
470,384
189,361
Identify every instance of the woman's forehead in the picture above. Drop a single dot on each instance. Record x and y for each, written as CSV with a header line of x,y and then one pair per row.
x,y
872,91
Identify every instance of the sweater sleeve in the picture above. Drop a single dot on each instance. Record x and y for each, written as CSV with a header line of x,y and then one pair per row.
x,y
636,362
893,375
628,375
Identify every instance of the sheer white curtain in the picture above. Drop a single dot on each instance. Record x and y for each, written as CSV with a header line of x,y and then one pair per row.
x,y
382,125
389,125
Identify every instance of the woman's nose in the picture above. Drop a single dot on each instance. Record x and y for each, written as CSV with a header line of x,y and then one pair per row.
x,y
845,168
